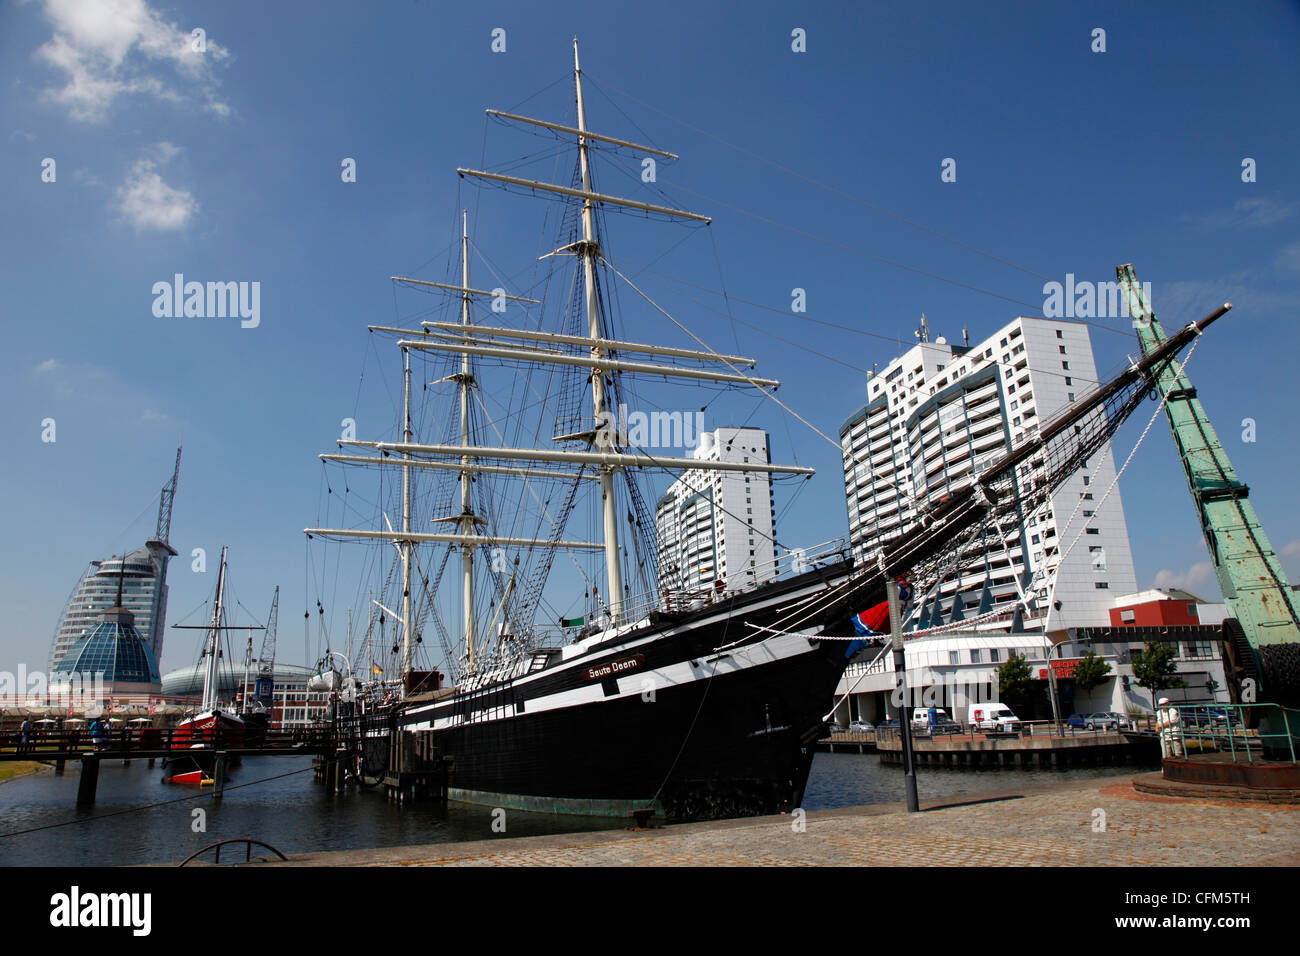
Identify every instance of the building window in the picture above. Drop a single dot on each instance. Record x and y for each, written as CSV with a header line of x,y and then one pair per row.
x,y
1128,616
1100,585
1062,348
1068,380
975,655
1072,396
1059,335
952,657
1065,365
1093,530
1087,480
994,655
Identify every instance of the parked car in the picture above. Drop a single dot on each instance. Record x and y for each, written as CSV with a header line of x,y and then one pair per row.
x,y
834,727
1205,716
1077,721
861,727
1104,720
889,725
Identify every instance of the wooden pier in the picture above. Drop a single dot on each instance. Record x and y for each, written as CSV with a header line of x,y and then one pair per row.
x,y
156,743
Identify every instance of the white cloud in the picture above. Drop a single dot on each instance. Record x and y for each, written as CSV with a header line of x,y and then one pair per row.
x,y
1198,578
79,389
149,203
1179,302
1254,213
107,48
1288,259
1291,559
23,134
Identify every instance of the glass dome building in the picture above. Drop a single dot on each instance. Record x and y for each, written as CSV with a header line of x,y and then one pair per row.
x,y
115,649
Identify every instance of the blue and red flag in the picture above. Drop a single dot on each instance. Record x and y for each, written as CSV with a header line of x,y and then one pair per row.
x,y
874,621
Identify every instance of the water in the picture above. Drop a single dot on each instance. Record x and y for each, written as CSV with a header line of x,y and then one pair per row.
x,y
296,815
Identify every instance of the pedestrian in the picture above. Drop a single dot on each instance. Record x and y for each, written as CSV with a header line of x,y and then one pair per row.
x,y
1169,726
25,734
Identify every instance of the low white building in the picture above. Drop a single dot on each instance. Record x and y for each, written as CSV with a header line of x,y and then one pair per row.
x,y
957,669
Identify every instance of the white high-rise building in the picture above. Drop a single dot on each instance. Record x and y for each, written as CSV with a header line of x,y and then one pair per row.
x,y
718,525
939,413
144,594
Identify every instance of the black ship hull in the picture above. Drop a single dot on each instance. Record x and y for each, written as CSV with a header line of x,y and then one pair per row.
x,y
714,714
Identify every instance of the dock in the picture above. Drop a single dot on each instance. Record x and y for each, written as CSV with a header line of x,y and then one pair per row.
x,y
1053,825
979,750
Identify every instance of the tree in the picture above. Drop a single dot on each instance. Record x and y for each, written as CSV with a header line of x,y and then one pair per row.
x,y
1014,681
1154,669
1089,672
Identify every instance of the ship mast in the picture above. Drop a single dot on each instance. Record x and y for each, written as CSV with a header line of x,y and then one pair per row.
x,y
598,355
406,542
604,437
466,522
214,639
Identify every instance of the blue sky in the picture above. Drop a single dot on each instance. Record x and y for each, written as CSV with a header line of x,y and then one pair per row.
x,y
225,166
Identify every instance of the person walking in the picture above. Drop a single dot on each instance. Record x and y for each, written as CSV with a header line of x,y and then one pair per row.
x,y
25,735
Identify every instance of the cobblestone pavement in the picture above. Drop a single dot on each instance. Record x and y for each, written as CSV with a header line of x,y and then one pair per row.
x,y
1053,826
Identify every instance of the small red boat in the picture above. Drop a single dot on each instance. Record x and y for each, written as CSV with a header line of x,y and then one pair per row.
x,y
196,741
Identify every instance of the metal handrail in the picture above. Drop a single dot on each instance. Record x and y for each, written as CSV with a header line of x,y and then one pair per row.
x,y
1234,727
248,850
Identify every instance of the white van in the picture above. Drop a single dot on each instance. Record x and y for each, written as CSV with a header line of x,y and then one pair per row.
x,y
993,716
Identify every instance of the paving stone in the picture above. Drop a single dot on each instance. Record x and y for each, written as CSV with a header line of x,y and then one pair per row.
x,y
1052,826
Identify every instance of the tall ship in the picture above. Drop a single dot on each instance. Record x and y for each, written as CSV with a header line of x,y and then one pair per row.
x,y
692,705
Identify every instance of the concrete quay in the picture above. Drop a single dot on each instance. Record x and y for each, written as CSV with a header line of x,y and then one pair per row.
x,y
978,750
1079,823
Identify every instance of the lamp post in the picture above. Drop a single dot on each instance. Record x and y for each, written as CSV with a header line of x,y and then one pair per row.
x,y
904,724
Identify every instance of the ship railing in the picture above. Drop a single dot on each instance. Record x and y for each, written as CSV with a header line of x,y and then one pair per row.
x,y
793,562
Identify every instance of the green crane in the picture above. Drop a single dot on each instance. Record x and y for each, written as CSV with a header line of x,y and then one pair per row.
x,y
1254,585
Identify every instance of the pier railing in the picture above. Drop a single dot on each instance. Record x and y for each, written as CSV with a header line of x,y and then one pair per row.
x,y
1242,732
129,741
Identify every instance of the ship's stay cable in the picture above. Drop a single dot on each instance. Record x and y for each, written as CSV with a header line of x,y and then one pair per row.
x,y
1051,596
811,181
725,361
786,313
